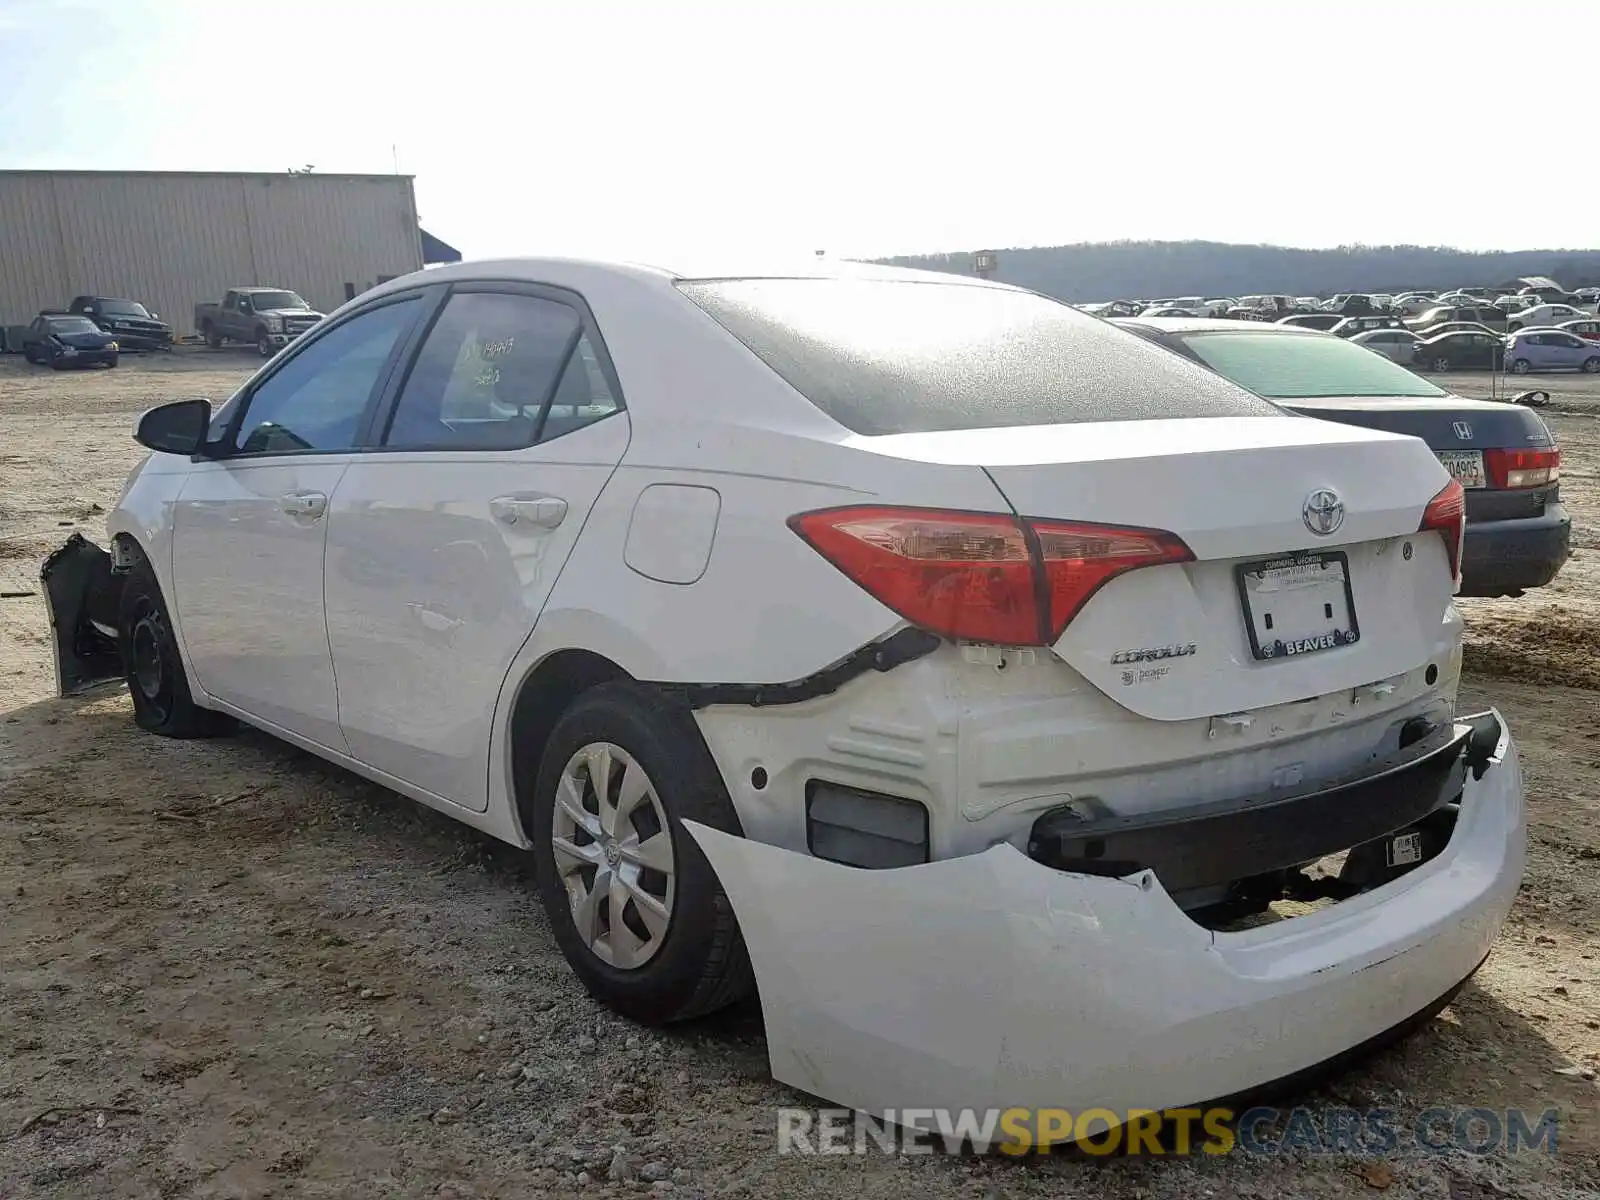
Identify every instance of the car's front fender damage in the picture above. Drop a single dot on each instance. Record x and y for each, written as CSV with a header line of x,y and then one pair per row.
x,y
81,593
992,981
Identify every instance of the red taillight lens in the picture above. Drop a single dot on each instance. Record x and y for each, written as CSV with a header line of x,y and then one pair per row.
x,y
1522,468
981,577
1447,515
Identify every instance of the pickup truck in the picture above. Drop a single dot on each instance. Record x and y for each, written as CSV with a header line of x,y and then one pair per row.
x,y
133,325
266,317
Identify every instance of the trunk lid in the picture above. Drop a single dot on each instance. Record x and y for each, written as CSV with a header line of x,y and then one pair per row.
x,y
1174,642
1458,431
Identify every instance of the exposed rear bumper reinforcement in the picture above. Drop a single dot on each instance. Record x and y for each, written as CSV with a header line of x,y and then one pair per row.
x,y
1207,845
992,981
81,593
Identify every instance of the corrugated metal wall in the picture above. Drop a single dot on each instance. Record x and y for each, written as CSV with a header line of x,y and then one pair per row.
x,y
172,240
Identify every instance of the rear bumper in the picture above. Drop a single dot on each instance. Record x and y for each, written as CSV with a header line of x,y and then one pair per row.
x,y
991,981
1510,556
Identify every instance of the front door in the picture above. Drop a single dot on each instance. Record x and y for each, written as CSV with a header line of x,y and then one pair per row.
x,y
445,542
249,528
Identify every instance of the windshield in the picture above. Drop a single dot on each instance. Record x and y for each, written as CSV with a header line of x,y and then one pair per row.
x,y
263,301
72,325
887,357
1288,366
122,308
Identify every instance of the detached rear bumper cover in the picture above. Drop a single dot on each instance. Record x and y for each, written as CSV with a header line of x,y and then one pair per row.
x,y
991,981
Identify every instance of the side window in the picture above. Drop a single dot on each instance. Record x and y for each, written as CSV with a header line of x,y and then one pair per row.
x,y
495,367
315,402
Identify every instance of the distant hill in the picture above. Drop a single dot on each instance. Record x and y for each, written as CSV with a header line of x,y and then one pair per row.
x,y
1145,270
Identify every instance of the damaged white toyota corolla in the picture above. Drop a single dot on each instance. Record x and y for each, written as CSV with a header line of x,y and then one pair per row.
x,y
1037,718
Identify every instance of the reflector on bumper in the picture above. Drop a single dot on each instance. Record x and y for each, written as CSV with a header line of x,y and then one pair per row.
x,y
80,595
991,981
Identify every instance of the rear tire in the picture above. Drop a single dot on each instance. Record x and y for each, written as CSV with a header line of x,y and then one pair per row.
x,y
692,962
153,667
213,338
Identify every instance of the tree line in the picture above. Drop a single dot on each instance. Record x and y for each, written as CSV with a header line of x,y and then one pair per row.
x,y
1144,270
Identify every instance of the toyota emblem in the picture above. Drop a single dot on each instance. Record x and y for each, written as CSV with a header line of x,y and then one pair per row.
x,y
1323,512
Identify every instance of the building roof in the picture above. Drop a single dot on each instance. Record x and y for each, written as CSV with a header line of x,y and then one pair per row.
x,y
205,174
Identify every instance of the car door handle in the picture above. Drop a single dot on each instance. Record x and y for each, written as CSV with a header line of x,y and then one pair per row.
x,y
304,504
544,512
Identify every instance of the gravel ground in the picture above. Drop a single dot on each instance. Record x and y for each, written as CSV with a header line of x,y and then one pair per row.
x,y
229,970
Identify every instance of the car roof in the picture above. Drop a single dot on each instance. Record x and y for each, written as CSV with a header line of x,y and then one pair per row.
x,y
602,276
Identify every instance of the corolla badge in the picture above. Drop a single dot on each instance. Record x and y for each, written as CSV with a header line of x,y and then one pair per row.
x,y
1463,430
1323,512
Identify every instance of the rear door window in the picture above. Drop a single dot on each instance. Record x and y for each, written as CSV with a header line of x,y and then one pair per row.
x,y
888,357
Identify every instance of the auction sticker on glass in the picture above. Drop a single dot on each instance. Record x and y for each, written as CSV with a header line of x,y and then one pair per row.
x,y
1465,467
1298,604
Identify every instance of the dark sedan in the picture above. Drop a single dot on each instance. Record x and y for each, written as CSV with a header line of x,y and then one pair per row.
x,y
133,325
1456,327
1505,457
59,340
1464,350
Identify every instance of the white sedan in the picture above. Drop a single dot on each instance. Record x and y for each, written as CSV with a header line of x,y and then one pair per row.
x,y
1397,344
968,673
1540,316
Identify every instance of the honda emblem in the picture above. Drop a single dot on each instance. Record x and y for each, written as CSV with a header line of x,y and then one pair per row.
x,y
1463,430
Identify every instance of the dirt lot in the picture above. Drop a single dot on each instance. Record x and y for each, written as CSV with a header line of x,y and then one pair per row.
x,y
227,970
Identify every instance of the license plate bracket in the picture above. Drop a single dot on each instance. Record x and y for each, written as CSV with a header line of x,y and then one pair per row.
x,y
1297,604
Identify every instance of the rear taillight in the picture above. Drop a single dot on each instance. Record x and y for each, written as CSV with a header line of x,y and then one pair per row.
x,y
1447,515
1522,468
981,577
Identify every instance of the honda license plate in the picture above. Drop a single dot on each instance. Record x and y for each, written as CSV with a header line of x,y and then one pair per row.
x,y
1298,604
1465,466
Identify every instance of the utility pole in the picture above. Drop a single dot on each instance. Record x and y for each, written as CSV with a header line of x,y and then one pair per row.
x,y
984,264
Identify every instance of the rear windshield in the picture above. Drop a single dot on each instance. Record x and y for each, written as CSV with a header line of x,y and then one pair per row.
x,y
886,357
1303,366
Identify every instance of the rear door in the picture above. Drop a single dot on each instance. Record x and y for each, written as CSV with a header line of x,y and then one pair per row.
x,y
445,542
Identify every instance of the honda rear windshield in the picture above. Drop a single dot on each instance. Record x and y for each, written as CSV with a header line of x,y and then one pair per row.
x,y
1304,366
887,357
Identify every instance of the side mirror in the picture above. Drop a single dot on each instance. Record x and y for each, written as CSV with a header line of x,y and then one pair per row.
x,y
1535,399
176,428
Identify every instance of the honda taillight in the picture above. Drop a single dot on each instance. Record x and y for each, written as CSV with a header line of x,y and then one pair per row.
x,y
1522,468
981,577
1447,515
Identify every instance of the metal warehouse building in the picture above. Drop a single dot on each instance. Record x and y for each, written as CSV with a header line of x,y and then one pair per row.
x,y
172,239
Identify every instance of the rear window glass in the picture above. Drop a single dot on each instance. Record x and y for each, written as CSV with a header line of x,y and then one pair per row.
x,y
883,357
1303,366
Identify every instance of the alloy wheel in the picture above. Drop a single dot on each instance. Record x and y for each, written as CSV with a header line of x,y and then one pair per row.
x,y
613,853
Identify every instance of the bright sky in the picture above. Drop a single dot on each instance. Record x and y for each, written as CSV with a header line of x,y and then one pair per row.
x,y
623,128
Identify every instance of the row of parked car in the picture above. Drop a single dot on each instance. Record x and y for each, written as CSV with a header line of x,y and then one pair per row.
x,y
94,330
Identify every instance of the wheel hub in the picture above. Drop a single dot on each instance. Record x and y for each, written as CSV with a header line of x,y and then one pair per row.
x,y
147,659
612,850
